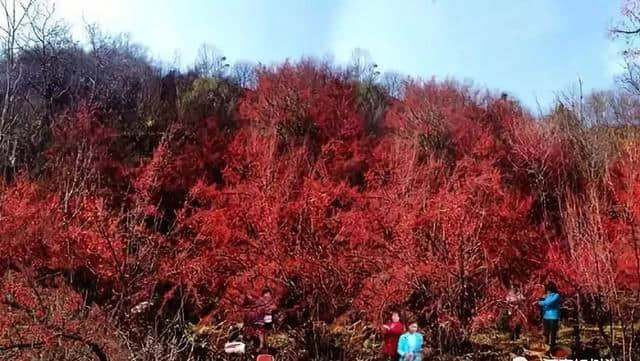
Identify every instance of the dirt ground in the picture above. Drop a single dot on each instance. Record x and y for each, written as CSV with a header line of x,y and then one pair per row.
x,y
498,346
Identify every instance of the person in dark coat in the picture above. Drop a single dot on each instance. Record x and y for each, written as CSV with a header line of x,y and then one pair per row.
x,y
260,317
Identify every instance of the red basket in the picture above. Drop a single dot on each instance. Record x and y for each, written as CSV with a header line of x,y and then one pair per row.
x,y
265,357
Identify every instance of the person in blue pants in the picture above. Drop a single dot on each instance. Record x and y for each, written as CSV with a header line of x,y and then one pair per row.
x,y
410,344
550,308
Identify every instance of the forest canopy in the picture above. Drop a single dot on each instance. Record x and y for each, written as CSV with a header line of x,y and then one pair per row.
x,y
138,200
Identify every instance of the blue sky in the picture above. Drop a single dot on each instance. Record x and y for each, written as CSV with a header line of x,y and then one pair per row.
x,y
529,48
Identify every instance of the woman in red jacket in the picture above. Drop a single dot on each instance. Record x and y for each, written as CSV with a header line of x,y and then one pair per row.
x,y
392,332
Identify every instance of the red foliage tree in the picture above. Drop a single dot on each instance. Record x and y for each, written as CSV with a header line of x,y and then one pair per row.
x,y
456,197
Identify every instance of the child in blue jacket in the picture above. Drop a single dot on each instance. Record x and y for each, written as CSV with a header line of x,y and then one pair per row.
x,y
410,344
550,307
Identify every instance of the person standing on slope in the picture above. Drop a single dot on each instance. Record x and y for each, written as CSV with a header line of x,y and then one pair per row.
x,y
392,332
261,316
517,319
550,307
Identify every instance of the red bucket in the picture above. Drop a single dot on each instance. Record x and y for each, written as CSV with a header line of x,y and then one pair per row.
x,y
561,353
265,357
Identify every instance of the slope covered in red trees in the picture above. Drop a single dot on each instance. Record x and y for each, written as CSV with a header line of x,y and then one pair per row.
x,y
453,196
